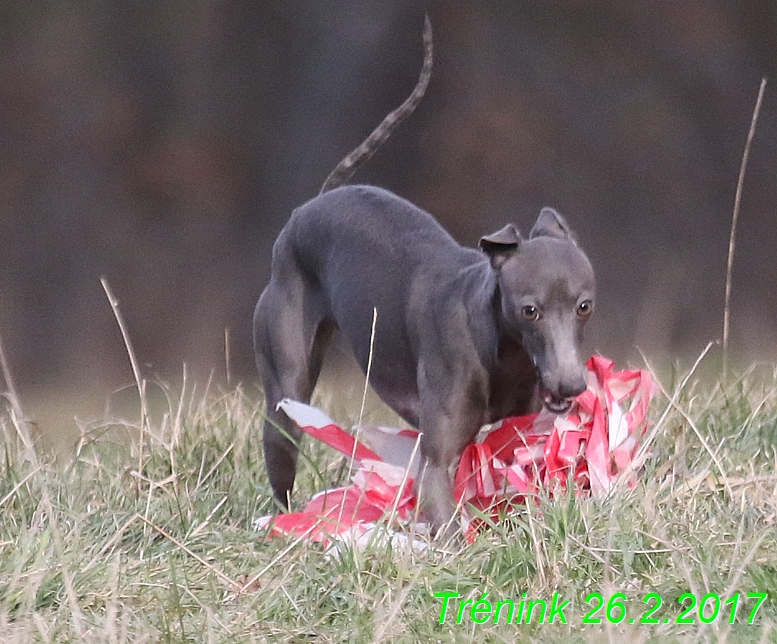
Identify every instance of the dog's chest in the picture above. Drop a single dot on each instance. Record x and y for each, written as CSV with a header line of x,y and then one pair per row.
x,y
512,385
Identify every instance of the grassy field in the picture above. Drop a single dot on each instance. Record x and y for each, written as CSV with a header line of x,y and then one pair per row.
x,y
121,545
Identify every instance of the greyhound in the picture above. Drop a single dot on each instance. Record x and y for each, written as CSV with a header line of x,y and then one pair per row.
x,y
463,337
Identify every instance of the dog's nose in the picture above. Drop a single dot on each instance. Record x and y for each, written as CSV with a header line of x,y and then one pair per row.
x,y
572,388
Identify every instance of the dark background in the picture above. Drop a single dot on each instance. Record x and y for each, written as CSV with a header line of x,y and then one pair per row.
x,y
164,144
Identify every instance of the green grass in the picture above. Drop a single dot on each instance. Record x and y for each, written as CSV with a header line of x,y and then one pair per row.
x,y
93,551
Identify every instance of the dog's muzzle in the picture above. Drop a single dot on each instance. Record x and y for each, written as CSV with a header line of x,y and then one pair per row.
x,y
554,402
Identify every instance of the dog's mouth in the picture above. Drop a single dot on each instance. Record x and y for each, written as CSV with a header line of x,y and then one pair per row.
x,y
553,402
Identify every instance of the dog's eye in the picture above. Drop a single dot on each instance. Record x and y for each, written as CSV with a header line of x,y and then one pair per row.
x,y
585,308
530,312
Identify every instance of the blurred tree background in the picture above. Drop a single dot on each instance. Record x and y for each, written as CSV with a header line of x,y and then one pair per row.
x,y
163,144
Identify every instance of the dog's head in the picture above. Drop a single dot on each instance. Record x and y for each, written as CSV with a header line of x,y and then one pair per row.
x,y
546,296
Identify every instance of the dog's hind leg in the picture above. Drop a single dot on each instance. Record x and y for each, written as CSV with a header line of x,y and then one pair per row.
x,y
290,337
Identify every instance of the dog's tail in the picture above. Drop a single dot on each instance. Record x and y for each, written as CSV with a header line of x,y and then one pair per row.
x,y
380,134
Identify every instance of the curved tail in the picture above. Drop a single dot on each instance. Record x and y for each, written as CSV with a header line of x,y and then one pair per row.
x,y
345,169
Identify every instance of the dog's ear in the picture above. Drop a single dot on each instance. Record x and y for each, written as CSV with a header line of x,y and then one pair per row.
x,y
499,246
551,224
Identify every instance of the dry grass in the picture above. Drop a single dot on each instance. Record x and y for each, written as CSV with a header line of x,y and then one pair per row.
x,y
100,550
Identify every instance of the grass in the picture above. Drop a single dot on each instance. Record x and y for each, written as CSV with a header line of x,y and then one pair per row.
x,y
92,550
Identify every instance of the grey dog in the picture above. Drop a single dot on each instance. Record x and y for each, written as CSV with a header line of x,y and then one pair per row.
x,y
463,337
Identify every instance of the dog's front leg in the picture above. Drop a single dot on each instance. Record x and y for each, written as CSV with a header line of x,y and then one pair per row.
x,y
434,488
445,435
